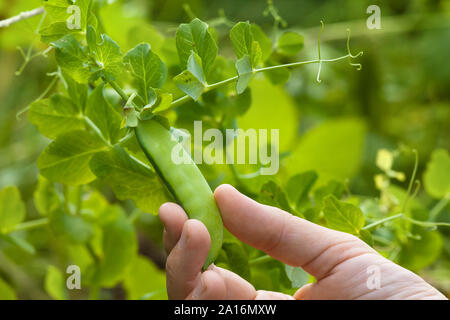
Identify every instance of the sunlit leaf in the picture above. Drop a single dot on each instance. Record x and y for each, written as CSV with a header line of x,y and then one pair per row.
x,y
147,68
12,209
55,284
290,43
343,216
437,174
67,158
130,179
196,37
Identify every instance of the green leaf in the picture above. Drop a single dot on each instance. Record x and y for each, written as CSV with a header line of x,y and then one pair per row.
x,y
334,149
77,92
12,209
56,31
196,37
130,179
298,188
245,72
238,105
118,251
19,241
55,286
6,292
256,54
342,216
192,81
290,43
103,115
56,116
271,194
333,187
264,41
147,68
244,43
59,15
68,227
131,119
108,59
163,101
145,280
91,38
278,76
366,236
195,67
45,197
270,275
266,97
241,39
417,254
71,58
57,10
237,257
297,275
189,84
160,100
66,159
437,175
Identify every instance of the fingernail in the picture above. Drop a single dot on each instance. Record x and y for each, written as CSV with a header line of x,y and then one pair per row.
x,y
199,289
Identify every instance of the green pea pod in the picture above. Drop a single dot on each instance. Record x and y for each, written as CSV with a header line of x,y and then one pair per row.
x,y
185,181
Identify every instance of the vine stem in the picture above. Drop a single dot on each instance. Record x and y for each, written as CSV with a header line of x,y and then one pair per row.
x,y
219,84
118,89
33,224
376,223
42,96
21,16
425,224
439,207
259,260
413,179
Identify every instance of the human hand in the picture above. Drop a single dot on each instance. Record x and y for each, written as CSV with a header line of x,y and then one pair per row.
x,y
339,261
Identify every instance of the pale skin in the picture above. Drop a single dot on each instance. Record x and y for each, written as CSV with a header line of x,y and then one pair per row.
x,y
339,261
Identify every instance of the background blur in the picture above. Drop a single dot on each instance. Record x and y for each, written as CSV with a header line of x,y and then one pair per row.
x,y
401,96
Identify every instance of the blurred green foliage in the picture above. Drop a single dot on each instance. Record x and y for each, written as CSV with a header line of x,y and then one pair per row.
x,y
399,101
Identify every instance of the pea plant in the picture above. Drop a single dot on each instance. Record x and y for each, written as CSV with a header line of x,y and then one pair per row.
x,y
110,117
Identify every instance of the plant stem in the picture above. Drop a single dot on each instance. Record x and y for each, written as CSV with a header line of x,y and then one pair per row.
x,y
92,253
439,207
259,260
118,89
413,178
219,84
425,224
126,138
180,101
42,96
21,16
135,215
33,224
376,223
